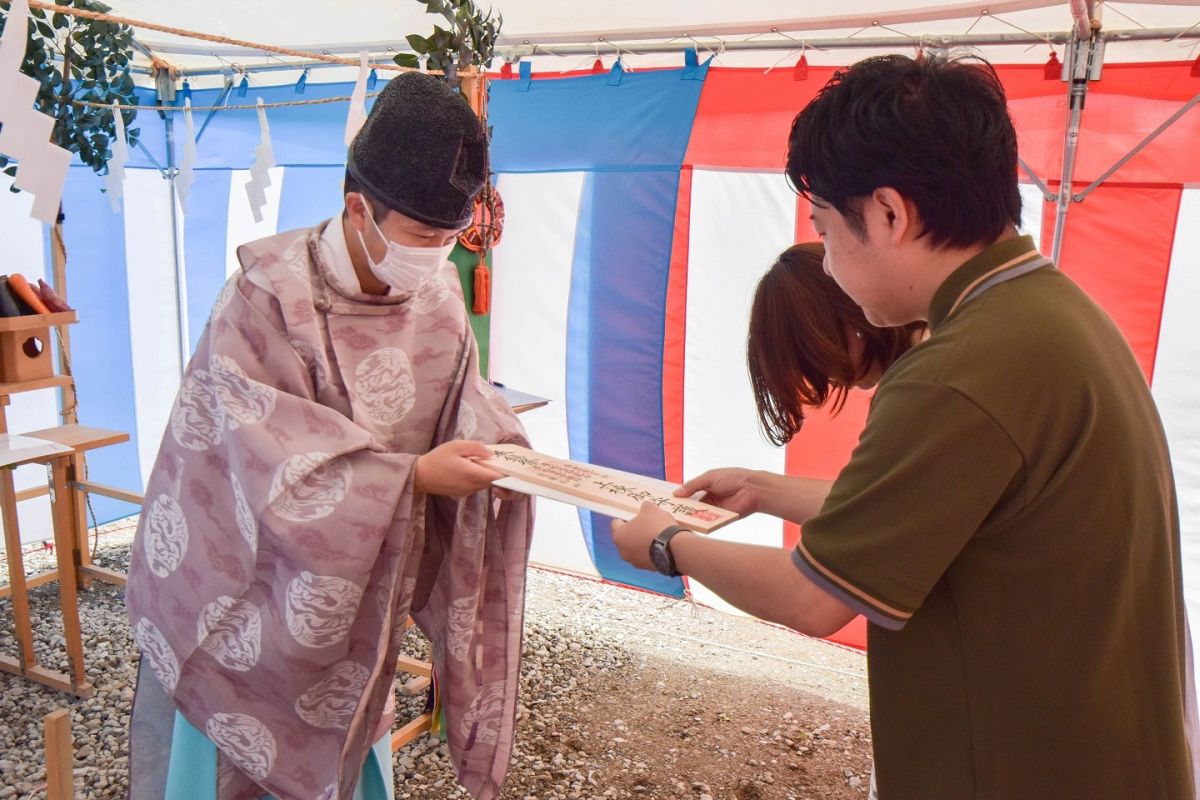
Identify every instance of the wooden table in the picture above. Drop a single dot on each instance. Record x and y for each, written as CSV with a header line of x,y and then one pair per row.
x,y
70,547
520,402
82,438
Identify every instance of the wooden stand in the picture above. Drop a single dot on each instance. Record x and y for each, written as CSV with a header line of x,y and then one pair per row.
x,y
74,569
411,731
82,438
25,353
421,724
75,680
28,366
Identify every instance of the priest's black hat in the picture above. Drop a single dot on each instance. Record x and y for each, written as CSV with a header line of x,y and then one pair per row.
x,y
421,152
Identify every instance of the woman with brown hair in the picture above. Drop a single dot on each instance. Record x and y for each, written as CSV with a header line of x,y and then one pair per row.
x,y
809,343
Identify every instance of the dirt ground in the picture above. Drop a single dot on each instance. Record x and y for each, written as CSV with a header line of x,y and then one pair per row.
x,y
627,694
694,731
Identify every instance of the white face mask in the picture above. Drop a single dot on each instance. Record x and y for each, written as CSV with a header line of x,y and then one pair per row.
x,y
404,268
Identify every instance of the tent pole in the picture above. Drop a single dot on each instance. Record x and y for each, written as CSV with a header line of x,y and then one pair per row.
x,y
68,410
1079,70
530,48
219,101
1079,196
68,401
1047,195
1081,12
180,278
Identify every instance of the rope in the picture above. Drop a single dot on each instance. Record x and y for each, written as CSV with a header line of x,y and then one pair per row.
x,y
209,37
172,109
65,362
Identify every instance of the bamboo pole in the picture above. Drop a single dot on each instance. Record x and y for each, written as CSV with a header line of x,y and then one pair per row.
x,y
68,399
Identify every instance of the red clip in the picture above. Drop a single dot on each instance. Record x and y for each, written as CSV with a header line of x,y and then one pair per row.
x,y
1053,67
800,73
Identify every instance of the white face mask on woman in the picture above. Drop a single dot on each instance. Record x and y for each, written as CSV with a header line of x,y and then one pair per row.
x,y
404,268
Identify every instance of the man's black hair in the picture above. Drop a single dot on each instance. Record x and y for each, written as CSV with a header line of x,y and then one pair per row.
x,y
936,129
379,209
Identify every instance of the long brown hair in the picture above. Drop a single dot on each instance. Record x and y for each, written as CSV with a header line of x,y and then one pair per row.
x,y
797,350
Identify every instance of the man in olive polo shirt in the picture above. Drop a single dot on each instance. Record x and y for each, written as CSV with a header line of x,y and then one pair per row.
x,y
1007,523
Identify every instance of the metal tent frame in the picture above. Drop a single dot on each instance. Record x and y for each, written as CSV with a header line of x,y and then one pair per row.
x,y
1085,42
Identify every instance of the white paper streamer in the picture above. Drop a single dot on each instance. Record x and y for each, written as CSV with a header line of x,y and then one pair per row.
x,y
358,100
25,137
264,159
187,160
114,181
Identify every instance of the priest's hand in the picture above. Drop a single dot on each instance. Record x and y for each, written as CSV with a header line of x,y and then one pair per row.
x,y
451,469
633,538
731,488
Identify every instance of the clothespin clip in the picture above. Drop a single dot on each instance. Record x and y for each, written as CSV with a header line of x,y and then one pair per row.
x,y
691,64
506,70
1053,68
618,69
526,76
616,73
800,72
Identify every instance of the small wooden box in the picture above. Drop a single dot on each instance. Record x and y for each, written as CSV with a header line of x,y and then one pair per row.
x,y
25,353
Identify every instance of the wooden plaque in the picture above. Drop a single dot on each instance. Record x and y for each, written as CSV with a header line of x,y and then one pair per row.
x,y
622,491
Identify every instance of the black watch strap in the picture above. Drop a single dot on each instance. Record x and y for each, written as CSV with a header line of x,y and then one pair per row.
x,y
662,544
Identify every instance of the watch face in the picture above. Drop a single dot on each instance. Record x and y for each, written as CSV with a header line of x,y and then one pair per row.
x,y
658,555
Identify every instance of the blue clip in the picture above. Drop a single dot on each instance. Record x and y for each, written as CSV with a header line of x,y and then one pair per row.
x,y
691,63
526,76
616,74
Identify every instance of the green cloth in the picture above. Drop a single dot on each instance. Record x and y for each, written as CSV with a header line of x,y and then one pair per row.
x,y
192,774
466,261
1008,524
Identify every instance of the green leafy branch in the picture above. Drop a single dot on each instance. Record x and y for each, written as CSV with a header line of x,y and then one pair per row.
x,y
470,41
96,55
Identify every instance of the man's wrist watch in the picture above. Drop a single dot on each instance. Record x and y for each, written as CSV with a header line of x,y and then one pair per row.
x,y
660,551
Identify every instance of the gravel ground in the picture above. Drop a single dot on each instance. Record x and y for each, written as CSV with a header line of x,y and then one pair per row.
x,y
624,695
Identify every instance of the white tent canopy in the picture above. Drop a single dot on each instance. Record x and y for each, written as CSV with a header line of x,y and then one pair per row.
x,y
554,35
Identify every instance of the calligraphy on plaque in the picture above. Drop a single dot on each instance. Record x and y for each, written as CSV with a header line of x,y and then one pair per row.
x,y
623,490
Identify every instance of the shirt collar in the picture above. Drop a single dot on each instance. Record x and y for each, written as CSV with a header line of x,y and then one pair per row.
x,y
1004,255
337,253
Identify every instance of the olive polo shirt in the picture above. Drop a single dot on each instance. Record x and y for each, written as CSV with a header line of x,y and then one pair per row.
x,y
1008,525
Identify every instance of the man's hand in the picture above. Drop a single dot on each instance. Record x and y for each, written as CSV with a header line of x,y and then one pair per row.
x,y
450,469
762,581
633,538
731,488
